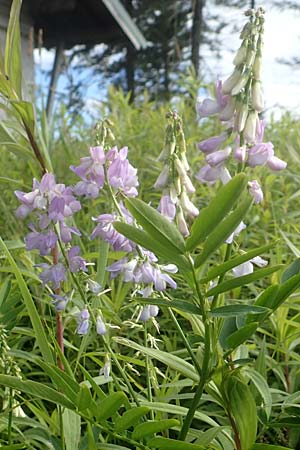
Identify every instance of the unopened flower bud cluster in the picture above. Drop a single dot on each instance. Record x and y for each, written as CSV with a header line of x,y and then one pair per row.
x,y
174,180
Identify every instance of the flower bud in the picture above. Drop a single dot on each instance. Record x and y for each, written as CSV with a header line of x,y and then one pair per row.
x,y
229,84
250,57
241,83
241,117
256,95
228,112
240,55
250,126
162,178
173,194
188,206
181,223
100,326
240,153
257,68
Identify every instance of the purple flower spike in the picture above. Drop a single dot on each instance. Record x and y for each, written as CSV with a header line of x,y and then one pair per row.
x,y
76,262
66,232
83,322
53,274
121,174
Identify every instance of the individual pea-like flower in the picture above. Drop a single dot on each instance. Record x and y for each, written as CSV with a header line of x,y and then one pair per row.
x,y
236,232
91,171
44,242
106,231
259,154
100,326
54,274
167,207
219,157
256,191
76,262
59,301
212,144
209,107
66,232
83,322
210,175
121,174
105,370
148,312
247,267
93,286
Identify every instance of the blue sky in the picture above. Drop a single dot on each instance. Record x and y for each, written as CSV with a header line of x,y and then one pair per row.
x,y
282,41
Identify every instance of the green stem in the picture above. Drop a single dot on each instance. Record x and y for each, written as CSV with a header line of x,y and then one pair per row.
x,y
10,416
221,277
121,370
205,364
106,343
149,388
61,425
185,341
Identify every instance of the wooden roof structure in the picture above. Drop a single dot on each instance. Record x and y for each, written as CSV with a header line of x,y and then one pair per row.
x,y
87,22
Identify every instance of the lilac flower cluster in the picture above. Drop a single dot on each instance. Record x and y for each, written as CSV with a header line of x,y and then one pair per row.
x,y
120,173
139,265
238,103
174,179
52,204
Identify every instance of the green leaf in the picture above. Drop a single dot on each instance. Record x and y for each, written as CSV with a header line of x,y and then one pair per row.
x,y
285,290
26,112
130,418
241,335
33,314
143,239
111,447
181,305
156,426
291,270
234,262
211,216
36,390
242,406
236,310
156,225
109,406
291,422
223,231
172,361
172,444
72,427
12,57
242,281
262,387
269,447
267,297
179,411
84,398
63,381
